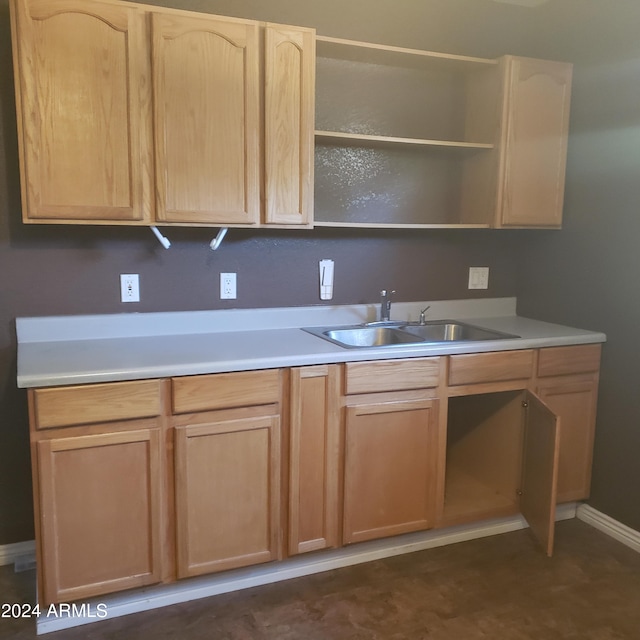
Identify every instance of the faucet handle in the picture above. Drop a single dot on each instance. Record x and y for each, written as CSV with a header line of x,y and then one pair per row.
x,y
423,314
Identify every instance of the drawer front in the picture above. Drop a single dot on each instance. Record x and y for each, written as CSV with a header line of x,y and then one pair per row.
x,y
225,390
93,403
391,375
562,361
475,368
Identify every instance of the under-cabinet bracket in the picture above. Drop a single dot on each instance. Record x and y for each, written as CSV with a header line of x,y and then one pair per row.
x,y
161,239
217,241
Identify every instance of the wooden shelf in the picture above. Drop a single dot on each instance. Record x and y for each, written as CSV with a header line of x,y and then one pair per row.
x,y
357,138
396,56
424,162
376,225
468,499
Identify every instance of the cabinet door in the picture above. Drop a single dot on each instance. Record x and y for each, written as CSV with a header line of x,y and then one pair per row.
x,y
207,119
314,459
84,110
227,494
389,469
289,124
535,145
574,401
100,513
540,470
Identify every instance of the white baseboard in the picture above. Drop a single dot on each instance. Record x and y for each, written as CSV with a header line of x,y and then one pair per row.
x,y
620,532
18,551
216,584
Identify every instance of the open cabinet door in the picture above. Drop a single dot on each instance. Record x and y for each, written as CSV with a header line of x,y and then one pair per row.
x,y
540,470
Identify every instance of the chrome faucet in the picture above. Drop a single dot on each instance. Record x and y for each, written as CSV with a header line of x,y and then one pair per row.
x,y
385,305
423,315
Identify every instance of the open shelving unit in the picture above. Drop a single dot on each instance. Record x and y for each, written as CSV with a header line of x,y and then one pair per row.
x,y
404,138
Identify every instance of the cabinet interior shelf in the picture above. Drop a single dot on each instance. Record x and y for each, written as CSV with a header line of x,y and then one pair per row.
x,y
396,56
466,496
398,225
358,138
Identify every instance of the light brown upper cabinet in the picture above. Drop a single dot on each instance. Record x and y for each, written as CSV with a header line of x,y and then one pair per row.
x,y
82,91
397,130
537,101
289,122
130,114
207,114
473,143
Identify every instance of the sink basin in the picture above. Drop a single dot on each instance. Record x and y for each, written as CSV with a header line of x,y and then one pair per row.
x,y
369,336
448,331
360,336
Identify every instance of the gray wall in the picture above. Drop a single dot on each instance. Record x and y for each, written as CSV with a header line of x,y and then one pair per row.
x,y
589,274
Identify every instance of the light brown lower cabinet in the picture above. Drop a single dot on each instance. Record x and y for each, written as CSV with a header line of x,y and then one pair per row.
x,y
314,458
142,482
227,493
100,512
502,458
568,382
389,468
574,401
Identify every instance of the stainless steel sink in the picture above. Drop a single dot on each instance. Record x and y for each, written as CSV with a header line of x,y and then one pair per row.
x,y
399,334
450,331
368,336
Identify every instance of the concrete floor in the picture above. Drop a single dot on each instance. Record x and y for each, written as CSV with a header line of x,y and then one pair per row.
x,y
499,588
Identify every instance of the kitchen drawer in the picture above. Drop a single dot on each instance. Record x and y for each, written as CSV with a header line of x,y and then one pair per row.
x,y
225,390
562,361
498,366
93,403
391,375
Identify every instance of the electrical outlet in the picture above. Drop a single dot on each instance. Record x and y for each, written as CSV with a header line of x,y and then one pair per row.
x,y
129,287
228,286
478,277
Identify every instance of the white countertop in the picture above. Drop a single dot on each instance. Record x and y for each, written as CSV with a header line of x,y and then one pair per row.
x,y
87,349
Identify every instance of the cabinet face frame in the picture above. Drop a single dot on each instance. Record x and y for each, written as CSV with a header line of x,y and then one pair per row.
x,y
61,180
